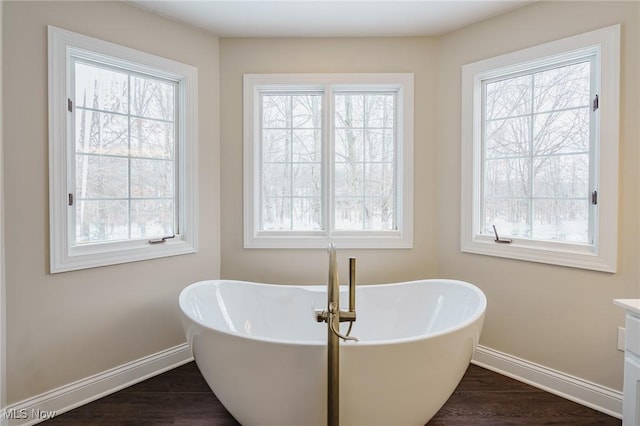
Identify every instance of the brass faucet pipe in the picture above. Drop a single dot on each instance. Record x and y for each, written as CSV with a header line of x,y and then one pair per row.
x,y
333,342
333,373
334,316
352,284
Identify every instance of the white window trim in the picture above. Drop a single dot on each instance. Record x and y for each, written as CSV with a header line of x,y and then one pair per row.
x,y
604,257
403,237
63,257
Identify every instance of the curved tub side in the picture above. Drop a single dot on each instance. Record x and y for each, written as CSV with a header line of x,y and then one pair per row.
x,y
404,384
262,383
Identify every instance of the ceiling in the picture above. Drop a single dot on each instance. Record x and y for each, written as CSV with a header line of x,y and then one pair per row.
x,y
320,18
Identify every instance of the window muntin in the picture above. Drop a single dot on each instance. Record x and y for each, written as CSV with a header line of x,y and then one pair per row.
x,y
537,145
125,127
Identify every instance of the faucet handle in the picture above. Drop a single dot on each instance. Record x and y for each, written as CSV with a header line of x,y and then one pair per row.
x,y
337,332
320,315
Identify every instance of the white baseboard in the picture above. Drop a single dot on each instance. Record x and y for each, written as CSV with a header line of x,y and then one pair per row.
x,y
57,401
583,392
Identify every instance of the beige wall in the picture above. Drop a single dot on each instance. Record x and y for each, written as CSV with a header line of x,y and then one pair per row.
x,y
68,326
297,55
559,317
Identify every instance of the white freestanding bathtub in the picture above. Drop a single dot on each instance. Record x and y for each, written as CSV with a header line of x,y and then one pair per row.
x,y
263,354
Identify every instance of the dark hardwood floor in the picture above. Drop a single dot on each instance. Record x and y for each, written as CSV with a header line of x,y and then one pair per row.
x,y
182,397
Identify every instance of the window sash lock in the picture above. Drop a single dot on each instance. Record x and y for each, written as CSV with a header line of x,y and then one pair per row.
x,y
161,240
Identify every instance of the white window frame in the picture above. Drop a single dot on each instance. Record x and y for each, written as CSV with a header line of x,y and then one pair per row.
x,y
602,254
402,84
64,256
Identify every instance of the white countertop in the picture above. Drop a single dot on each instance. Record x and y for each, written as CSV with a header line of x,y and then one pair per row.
x,y
632,305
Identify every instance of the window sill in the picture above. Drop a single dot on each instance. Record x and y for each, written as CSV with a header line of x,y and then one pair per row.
x,y
378,240
96,255
570,255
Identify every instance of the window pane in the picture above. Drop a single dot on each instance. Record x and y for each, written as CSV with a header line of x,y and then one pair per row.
x,y
509,215
365,161
276,180
101,177
101,133
349,110
509,137
561,132
275,146
306,145
508,98
349,145
306,214
276,214
562,220
101,88
306,111
291,168
152,218
379,145
151,178
507,178
379,179
562,176
276,111
348,179
379,110
307,179
562,87
102,221
152,139
349,214
379,213
152,98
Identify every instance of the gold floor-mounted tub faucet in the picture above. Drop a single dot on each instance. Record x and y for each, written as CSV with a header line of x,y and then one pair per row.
x,y
333,316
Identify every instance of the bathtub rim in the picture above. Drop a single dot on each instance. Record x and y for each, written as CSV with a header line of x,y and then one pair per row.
x,y
477,315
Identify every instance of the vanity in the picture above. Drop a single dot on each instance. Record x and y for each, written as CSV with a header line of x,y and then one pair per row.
x,y
631,389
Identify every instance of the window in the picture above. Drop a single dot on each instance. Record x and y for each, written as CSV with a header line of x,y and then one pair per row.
x,y
328,158
122,154
540,148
